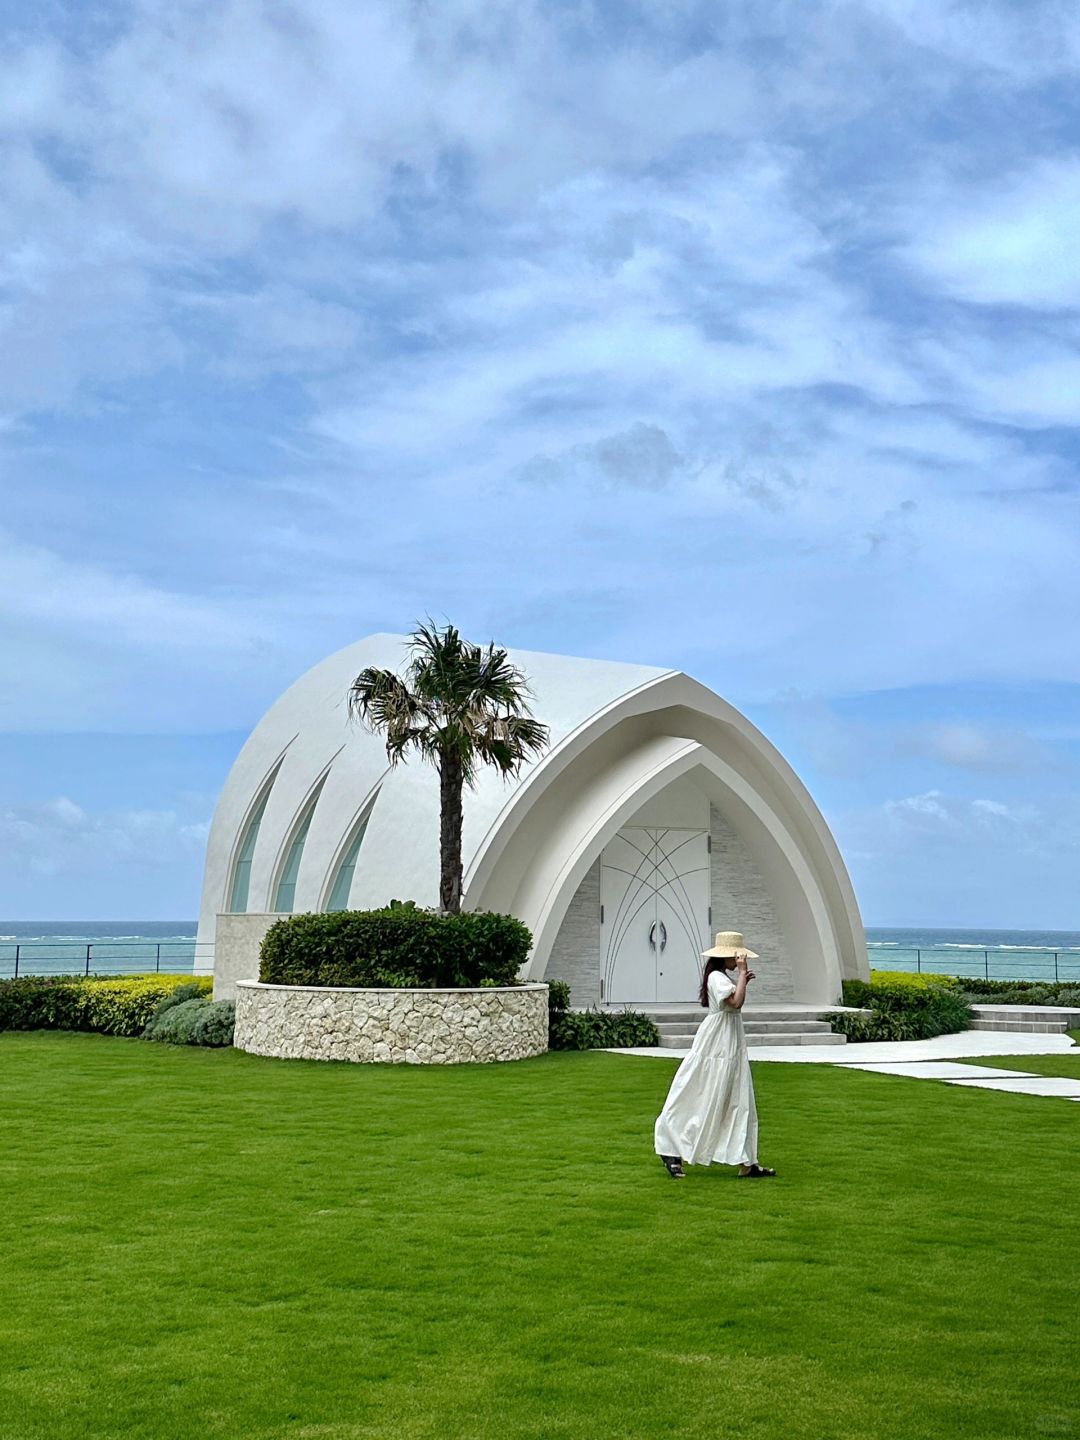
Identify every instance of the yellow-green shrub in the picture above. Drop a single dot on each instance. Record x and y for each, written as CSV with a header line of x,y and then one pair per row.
x,y
903,1006
121,1005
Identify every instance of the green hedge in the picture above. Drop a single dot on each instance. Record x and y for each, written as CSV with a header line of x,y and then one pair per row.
x,y
115,1006
903,1006
1022,992
594,1029
398,947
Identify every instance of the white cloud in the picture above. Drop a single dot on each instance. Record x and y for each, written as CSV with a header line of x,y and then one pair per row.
x,y
44,587
968,746
418,253
59,838
927,807
1007,240
934,813
66,811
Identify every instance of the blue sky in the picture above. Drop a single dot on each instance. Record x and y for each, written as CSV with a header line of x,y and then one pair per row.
x,y
740,338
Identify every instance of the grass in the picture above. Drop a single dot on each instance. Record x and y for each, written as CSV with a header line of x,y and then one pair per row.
x,y
204,1243
1066,1063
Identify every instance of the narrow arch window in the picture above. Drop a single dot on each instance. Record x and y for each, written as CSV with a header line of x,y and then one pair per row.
x,y
285,895
238,895
339,894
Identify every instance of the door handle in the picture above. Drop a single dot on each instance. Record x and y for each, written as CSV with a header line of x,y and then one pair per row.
x,y
652,935
663,937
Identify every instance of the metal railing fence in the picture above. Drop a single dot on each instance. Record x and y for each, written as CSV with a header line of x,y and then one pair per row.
x,y
103,957
979,962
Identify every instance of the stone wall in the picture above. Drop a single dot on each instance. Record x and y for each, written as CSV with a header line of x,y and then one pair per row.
x,y
575,956
741,900
414,1027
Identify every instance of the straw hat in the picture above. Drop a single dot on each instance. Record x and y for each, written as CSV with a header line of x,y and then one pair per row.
x,y
728,944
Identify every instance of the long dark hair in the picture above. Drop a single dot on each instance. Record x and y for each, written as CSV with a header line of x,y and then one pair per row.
x,y
713,964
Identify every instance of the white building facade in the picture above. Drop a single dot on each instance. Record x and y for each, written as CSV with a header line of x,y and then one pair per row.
x,y
658,815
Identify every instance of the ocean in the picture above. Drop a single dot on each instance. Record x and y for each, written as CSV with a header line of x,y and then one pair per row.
x,y
116,947
96,947
990,954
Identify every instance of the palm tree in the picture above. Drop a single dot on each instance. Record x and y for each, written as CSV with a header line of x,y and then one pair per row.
x,y
461,706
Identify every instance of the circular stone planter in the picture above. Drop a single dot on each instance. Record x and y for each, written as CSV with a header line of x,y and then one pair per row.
x,y
413,1027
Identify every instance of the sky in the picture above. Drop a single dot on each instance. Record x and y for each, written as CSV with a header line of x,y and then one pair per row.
x,y
740,338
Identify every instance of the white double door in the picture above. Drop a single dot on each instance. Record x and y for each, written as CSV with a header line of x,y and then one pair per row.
x,y
654,913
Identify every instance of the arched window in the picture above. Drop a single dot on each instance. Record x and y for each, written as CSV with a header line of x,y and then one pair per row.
x,y
339,893
285,895
238,894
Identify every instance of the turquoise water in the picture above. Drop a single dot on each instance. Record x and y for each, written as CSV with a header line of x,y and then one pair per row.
x,y
100,947
990,954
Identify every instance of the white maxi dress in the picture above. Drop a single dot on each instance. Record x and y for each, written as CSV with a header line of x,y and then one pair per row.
x,y
709,1116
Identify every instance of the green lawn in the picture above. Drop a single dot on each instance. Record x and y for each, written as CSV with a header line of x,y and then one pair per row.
x,y
201,1243
1065,1063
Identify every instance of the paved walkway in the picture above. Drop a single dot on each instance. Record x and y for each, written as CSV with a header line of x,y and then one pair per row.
x,y
928,1059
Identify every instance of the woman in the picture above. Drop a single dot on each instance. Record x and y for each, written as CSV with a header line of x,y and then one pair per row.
x,y
709,1117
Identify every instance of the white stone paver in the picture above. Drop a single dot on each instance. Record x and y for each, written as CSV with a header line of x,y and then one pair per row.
x,y
941,1047
933,1069
1028,1085
928,1059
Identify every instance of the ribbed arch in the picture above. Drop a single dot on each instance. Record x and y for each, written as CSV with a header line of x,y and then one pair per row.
x,y
338,899
285,891
241,875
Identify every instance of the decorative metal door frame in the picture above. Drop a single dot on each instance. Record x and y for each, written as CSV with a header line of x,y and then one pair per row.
x,y
654,876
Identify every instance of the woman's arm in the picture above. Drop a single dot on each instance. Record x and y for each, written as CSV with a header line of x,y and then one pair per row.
x,y
737,998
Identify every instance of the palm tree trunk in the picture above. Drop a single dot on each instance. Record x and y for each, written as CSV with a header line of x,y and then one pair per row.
x,y
450,783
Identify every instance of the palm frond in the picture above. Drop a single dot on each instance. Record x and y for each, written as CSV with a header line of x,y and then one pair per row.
x,y
384,704
509,741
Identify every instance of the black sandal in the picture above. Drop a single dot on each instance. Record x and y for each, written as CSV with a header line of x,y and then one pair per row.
x,y
673,1165
756,1172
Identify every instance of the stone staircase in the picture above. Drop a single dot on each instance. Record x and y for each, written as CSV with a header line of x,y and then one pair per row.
x,y
1027,1019
762,1024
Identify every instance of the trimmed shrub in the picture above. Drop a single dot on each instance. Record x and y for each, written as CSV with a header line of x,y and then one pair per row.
x,y
903,1006
594,1029
395,948
558,998
194,1022
895,982
1022,992
601,1029
120,1005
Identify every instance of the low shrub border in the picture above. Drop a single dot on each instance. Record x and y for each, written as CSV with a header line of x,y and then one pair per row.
x,y
1022,992
903,1006
594,1029
400,947
113,1006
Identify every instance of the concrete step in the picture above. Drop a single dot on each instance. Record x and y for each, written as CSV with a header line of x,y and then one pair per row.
x,y
663,1014
750,1027
1026,1019
787,1037
1027,1027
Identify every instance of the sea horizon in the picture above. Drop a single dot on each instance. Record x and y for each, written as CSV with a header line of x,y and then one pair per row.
x,y
125,946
